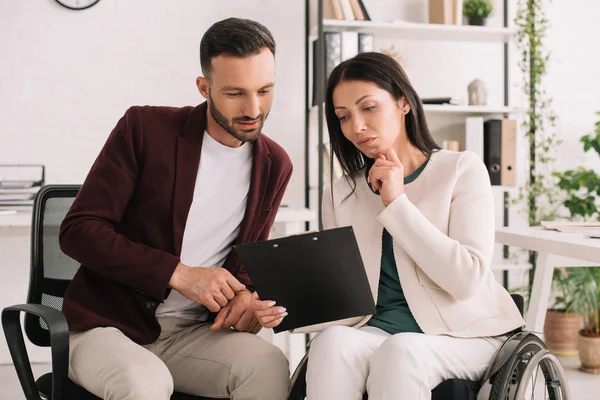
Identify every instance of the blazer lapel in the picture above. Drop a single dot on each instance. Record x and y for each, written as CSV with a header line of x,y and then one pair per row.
x,y
189,146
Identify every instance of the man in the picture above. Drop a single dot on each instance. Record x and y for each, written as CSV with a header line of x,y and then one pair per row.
x,y
153,227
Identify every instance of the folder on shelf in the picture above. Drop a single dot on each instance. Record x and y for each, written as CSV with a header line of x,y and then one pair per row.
x,y
500,150
508,159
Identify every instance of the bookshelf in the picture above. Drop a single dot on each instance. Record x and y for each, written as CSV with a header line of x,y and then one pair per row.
x,y
469,110
403,31
420,31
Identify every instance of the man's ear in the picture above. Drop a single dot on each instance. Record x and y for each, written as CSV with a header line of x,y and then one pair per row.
x,y
202,84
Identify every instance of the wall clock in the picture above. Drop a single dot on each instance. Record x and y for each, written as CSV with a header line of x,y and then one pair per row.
x,y
77,4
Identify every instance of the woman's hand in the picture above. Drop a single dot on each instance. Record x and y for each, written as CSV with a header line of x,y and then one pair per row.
x,y
268,315
387,176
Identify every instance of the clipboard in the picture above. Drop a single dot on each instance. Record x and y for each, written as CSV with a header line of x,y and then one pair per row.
x,y
318,277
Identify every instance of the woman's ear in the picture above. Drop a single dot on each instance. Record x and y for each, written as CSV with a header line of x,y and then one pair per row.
x,y
403,104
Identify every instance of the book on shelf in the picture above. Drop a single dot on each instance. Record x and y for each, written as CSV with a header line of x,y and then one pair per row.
x,y
440,100
365,13
357,10
332,9
441,12
349,10
446,12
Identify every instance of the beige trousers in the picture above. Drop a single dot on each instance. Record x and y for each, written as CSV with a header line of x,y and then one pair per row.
x,y
187,357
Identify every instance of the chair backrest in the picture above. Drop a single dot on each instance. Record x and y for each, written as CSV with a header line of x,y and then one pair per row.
x,y
51,270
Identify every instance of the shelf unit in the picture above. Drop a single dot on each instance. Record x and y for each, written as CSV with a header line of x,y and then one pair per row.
x,y
470,110
405,31
420,31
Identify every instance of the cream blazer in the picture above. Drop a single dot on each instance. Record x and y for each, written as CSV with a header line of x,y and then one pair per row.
x,y
443,230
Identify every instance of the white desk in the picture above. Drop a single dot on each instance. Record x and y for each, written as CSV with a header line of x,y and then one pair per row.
x,y
292,218
11,224
555,249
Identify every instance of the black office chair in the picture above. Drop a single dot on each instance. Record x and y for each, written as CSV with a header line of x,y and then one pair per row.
x,y
45,325
512,366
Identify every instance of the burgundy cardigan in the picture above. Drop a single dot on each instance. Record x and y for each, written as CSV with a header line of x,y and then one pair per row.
x,y
126,225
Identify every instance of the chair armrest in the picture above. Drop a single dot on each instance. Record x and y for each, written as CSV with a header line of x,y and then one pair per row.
x,y
59,347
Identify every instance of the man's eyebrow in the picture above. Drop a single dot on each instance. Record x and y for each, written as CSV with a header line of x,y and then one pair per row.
x,y
235,88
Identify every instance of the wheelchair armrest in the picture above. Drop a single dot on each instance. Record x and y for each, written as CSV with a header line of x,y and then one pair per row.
x,y
298,387
59,347
502,356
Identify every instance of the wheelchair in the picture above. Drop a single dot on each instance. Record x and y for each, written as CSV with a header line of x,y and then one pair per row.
x,y
512,375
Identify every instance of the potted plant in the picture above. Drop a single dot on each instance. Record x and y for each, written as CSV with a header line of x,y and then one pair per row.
x,y
477,11
581,197
586,302
581,186
539,192
561,327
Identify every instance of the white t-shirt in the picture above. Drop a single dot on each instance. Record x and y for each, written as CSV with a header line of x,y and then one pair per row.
x,y
215,216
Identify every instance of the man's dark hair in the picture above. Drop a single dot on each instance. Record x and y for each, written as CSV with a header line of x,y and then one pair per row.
x,y
235,37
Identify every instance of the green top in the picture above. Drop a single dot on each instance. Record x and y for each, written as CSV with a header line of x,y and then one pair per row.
x,y
393,314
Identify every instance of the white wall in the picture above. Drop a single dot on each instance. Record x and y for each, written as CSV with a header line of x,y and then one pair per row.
x,y
571,82
574,39
67,76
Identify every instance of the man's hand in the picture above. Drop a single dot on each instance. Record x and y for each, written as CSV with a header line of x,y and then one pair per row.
x,y
212,287
238,315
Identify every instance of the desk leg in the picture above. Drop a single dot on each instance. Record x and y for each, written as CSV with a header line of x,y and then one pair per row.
x,y
542,285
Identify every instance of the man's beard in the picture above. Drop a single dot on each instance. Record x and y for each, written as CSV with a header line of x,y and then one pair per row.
x,y
244,135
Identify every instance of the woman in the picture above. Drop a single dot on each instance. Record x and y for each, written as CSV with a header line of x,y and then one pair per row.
x,y
424,222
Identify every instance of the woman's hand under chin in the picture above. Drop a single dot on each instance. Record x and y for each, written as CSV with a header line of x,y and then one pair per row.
x,y
387,176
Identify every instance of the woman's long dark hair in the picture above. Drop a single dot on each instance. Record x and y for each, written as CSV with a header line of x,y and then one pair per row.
x,y
385,72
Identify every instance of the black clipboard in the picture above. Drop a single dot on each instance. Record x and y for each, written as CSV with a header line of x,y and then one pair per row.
x,y
318,277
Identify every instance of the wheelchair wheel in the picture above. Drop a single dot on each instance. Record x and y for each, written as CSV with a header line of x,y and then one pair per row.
x,y
519,378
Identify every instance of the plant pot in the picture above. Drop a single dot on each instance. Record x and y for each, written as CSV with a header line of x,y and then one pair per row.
x,y
561,330
589,353
477,21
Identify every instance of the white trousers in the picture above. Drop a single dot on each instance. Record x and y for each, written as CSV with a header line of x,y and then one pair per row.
x,y
345,362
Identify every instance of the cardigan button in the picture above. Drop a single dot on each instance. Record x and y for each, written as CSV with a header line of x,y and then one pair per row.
x,y
150,304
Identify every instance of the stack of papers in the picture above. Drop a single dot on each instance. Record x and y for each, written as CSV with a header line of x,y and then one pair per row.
x,y
587,228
